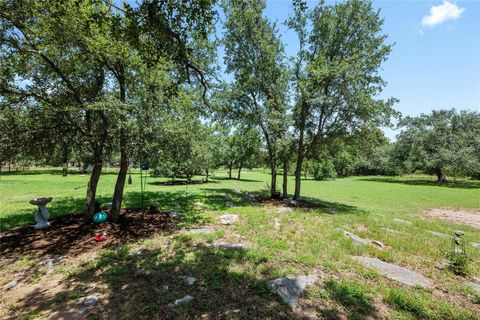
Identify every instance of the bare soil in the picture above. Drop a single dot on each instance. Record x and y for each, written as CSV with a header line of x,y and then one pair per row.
x,y
469,217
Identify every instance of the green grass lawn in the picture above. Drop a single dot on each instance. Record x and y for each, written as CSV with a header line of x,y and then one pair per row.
x,y
402,195
307,241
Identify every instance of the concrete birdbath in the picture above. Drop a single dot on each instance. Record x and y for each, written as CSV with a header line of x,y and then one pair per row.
x,y
41,216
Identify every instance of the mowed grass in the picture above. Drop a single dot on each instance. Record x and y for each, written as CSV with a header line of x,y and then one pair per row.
x,y
307,241
403,195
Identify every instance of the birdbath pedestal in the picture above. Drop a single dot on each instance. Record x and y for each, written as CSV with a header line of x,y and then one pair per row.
x,y
41,216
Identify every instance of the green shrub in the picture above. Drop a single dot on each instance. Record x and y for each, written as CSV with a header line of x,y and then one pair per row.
x,y
323,170
458,262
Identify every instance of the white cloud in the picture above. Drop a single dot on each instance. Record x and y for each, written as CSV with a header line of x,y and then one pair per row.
x,y
441,13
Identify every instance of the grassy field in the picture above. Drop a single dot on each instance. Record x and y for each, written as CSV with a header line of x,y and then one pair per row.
x,y
232,283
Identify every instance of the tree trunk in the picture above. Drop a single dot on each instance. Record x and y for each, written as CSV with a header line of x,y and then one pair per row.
x,y
273,186
441,178
298,168
206,174
239,171
121,178
230,171
285,178
92,187
122,173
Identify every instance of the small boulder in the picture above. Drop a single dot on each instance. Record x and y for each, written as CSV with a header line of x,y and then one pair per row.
x,y
184,300
12,284
228,218
355,238
230,204
475,286
190,280
439,234
284,209
476,245
174,215
200,231
235,190
224,245
290,201
290,288
247,197
51,261
394,272
87,302
276,223
400,221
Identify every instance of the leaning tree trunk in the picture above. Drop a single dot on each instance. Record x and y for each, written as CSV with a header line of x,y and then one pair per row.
x,y
285,178
92,187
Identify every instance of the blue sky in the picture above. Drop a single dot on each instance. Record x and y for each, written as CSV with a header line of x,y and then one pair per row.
x,y
433,65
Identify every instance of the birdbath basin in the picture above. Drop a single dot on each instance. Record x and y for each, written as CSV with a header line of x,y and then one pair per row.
x,y
41,216
41,201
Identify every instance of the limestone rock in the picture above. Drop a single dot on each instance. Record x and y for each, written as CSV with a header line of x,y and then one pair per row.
x,y
475,286
284,209
276,223
247,197
439,234
174,215
200,231
355,238
230,204
235,190
190,280
400,221
228,218
290,288
391,230
51,261
290,201
395,272
12,284
225,245
476,245
86,303
186,299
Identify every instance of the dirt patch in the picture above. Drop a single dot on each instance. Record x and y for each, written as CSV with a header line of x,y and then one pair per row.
x,y
469,217
69,236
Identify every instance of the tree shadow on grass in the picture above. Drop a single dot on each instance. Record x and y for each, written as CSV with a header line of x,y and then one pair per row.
x,y
464,184
263,197
235,179
143,285
56,172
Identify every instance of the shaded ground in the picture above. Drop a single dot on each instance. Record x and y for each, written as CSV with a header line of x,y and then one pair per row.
x,y
460,184
181,182
69,236
469,217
